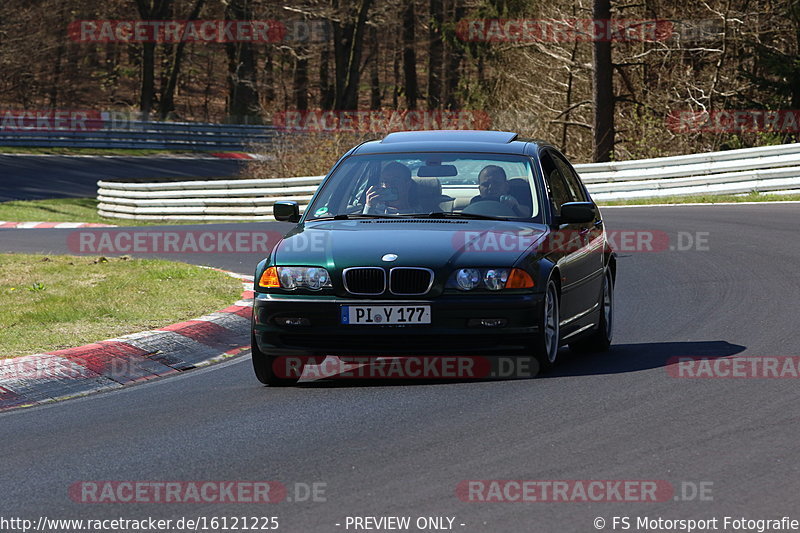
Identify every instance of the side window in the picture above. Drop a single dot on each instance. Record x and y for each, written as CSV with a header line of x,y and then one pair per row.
x,y
572,179
559,190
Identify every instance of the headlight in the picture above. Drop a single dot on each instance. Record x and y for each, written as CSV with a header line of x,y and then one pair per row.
x,y
316,278
295,277
493,279
468,278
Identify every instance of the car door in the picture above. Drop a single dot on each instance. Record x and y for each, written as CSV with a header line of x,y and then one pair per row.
x,y
569,243
590,235
563,236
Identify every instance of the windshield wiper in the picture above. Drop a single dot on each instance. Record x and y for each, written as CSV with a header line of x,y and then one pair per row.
x,y
352,216
475,216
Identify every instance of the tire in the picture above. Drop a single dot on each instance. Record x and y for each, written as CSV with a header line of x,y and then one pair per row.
x,y
600,340
545,348
264,367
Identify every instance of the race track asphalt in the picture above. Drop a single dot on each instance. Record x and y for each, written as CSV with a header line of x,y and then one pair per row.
x,y
35,177
394,448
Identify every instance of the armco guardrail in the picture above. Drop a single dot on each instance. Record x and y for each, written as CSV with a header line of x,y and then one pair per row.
x,y
143,135
768,168
202,200
761,169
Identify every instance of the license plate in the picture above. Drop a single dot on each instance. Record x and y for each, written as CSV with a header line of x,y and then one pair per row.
x,y
376,315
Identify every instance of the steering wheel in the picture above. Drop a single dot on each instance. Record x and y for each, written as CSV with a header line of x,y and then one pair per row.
x,y
490,208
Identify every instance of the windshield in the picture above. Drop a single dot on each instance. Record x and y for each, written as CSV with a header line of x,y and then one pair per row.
x,y
441,184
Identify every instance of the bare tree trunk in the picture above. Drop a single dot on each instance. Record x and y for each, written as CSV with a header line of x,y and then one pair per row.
x,y
568,103
375,96
435,52
168,91
300,79
269,75
354,70
148,79
243,104
326,88
410,56
396,76
348,44
603,89
455,56
149,10
62,38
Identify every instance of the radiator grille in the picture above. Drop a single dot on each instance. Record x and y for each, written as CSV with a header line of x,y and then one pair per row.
x,y
364,280
410,280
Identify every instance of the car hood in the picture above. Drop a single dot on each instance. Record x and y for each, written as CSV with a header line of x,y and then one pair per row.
x,y
339,244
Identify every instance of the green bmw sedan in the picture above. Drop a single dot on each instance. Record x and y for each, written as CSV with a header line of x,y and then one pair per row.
x,y
436,243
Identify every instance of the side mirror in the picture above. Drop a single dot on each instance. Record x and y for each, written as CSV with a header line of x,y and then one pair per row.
x,y
577,213
286,211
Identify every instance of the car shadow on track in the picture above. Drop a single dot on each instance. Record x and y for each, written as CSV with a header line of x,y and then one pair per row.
x,y
642,356
620,358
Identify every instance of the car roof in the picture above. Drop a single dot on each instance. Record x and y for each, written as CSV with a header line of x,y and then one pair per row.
x,y
475,141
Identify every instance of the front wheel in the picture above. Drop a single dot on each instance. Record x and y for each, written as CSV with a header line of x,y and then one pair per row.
x,y
547,342
600,340
265,365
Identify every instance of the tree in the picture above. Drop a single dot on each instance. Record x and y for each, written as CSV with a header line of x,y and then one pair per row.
x,y
348,34
602,88
150,10
435,53
167,104
300,79
454,55
243,101
411,88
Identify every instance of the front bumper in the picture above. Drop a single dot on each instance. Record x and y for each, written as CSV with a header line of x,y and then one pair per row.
x,y
448,334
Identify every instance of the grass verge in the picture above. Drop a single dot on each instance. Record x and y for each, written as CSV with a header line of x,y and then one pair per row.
x,y
54,302
705,199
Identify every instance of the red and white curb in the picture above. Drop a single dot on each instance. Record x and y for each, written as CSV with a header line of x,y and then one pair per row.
x,y
239,155
52,225
111,364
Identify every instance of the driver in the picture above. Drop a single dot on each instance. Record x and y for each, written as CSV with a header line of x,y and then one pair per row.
x,y
393,193
493,186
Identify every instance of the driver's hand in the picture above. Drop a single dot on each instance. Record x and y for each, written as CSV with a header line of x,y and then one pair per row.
x,y
510,201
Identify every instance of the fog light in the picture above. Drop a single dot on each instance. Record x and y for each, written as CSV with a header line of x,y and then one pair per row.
x,y
292,321
487,322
